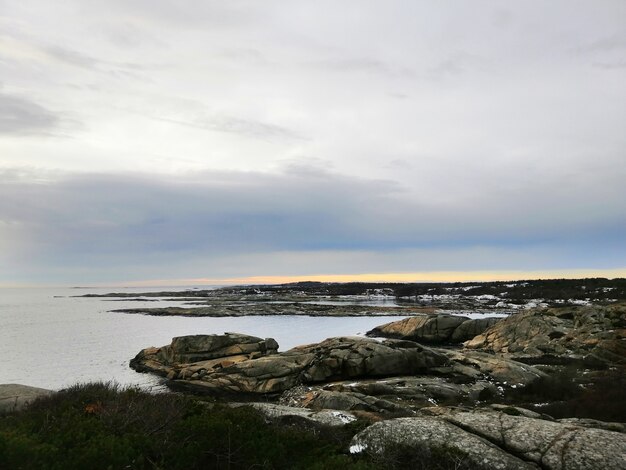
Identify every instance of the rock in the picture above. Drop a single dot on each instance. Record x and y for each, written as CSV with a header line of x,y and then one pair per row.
x,y
552,445
470,328
14,397
332,359
349,401
500,369
388,371
434,329
492,439
432,439
591,335
423,328
390,395
206,352
290,415
594,423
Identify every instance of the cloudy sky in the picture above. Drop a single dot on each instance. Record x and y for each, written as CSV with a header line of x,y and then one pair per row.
x,y
161,141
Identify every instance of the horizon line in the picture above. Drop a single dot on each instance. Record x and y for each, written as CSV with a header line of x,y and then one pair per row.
x,y
407,277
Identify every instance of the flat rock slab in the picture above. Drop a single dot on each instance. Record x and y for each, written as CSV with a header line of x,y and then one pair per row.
x,y
493,439
283,414
437,437
14,397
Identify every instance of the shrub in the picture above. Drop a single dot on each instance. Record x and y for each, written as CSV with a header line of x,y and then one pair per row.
x,y
100,426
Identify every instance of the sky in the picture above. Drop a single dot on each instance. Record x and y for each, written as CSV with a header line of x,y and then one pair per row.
x,y
151,141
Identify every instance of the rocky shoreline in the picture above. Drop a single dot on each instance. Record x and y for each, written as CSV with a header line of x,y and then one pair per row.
x,y
539,389
434,379
278,309
374,299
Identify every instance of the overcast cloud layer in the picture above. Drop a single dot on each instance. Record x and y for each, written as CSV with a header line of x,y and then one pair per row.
x,y
158,140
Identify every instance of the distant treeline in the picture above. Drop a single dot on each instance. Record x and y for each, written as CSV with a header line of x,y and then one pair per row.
x,y
550,289
594,289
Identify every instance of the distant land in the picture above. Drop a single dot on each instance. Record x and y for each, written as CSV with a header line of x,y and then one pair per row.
x,y
380,298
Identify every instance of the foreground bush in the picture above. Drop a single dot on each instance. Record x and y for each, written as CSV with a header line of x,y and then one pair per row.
x,y
99,426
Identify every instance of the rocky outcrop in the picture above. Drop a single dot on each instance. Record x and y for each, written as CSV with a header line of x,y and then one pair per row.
x,y
301,417
196,355
475,364
470,328
14,397
434,437
463,379
239,308
263,371
591,335
345,373
345,399
494,439
434,329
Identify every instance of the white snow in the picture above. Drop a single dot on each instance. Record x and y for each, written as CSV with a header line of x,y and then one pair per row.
x,y
357,448
343,417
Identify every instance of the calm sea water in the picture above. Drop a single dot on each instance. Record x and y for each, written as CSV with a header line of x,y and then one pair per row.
x,y
52,340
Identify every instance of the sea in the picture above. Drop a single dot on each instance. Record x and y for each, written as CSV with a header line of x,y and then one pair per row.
x,y
53,338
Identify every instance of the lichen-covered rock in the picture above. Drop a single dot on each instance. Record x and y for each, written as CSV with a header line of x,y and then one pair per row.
x,y
290,415
470,328
250,364
500,369
400,394
255,367
433,436
205,352
349,401
422,328
434,329
497,439
593,335
332,359
550,444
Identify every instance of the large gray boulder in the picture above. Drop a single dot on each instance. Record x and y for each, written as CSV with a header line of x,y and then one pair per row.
x,y
494,439
14,397
434,329
592,335
435,438
550,444
422,328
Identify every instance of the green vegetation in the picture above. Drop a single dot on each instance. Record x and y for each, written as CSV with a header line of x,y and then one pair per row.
x,y
99,426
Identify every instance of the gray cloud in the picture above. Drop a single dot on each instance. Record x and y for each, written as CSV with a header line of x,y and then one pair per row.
x,y
20,115
472,134
70,56
142,220
235,125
